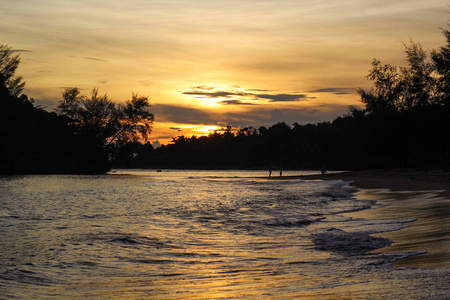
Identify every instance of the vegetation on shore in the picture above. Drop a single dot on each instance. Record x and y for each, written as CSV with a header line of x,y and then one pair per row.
x,y
80,138
404,124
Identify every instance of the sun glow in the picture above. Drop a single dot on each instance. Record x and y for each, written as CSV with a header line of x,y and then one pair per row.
x,y
207,129
187,131
209,102
204,65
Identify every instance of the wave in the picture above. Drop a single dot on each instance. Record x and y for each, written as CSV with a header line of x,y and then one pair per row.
x,y
348,243
126,239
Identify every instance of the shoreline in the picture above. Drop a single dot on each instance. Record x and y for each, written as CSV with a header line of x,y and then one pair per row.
x,y
394,180
427,200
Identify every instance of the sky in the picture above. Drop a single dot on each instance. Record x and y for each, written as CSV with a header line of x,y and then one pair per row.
x,y
205,64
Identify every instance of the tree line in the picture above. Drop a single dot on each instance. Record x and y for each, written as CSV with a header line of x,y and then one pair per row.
x,y
405,123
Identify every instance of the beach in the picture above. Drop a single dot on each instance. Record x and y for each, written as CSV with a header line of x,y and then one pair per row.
x,y
423,195
393,179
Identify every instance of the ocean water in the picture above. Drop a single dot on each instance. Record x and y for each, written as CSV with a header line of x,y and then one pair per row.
x,y
199,235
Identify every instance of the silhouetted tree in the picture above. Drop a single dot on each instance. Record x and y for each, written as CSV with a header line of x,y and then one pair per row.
x,y
387,88
441,64
419,86
405,123
105,121
402,88
34,141
9,83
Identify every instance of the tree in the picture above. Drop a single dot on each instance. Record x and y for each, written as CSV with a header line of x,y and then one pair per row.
x,y
417,80
35,141
441,64
9,84
401,88
106,122
387,88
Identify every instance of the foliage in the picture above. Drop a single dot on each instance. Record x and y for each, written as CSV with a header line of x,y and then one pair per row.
x,y
404,124
104,121
402,88
9,84
387,88
357,140
441,64
34,141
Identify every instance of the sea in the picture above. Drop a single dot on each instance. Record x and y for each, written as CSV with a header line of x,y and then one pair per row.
x,y
185,234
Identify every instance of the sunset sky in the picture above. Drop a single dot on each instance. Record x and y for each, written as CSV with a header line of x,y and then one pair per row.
x,y
204,64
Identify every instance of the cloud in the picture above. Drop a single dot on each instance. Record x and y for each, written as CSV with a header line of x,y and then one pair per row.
x,y
283,97
257,116
249,95
200,116
336,91
183,114
216,94
203,87
176,128
70,87
305,115
156,144
94,58
258,90
20,50
89,58
235,102
276,115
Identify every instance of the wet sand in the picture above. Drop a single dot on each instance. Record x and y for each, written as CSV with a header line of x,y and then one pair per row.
x,y
430,232
409,194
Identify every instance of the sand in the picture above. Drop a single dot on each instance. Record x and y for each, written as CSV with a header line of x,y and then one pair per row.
x,y
423,195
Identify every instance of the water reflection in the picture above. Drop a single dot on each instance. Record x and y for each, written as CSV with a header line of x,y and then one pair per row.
x,y
200,235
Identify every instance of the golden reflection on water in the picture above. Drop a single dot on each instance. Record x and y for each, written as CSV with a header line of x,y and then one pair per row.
x,y
65,240
430,231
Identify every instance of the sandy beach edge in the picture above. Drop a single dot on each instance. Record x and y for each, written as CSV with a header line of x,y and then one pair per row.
x,y
428,233
395,180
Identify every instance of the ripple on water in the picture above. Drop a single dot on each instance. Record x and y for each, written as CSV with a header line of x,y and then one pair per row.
x,y
196,235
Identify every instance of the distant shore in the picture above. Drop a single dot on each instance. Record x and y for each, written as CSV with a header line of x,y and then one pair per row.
x,y
393,179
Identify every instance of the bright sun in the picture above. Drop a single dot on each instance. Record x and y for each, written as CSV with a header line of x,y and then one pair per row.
x,y
207,129
209,102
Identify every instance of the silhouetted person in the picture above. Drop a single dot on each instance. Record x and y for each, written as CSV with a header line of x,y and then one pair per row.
x,y
281,173
270,172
